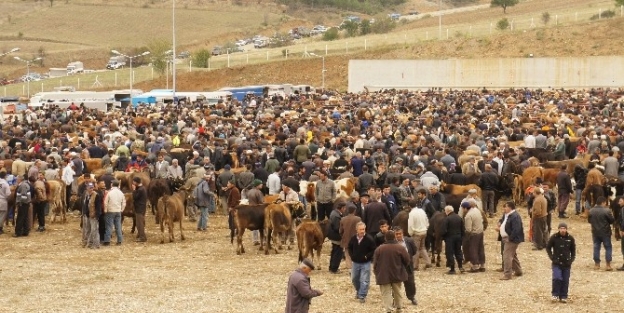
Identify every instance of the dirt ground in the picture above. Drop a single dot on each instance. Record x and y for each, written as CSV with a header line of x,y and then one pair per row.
x,y
51,272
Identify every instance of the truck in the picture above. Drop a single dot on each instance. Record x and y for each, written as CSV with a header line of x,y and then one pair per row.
x,y
75,68
116,62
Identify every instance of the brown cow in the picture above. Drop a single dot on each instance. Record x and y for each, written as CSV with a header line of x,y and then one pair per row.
x,y
56,199
171,210
530,174
550,175
93,164
129,211
310,238
459,189
247,217
277,218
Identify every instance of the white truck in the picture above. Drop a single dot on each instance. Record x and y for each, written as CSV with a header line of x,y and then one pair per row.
x,y
75,68
116,62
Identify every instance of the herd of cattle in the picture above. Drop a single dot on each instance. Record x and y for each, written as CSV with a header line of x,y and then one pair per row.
x,y
170,199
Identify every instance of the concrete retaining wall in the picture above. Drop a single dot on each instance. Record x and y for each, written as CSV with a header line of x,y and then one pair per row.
x,y
583,72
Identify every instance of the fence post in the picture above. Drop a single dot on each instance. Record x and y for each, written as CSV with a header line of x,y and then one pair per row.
x,y
490,28
325,49
208,65
41,87
556,20
576,17
405,38
267,55
364,44
115,79
447,34
600,13
152,72
228,64
190,66
511,25
347,47
247,57
427,36
78,84
286,54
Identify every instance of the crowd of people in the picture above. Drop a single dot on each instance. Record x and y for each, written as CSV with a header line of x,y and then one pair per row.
x,y
399,146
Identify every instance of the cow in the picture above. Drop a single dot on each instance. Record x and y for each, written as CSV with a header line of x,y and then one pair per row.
x,y
56,200
129,211
517,194
156,189
278,220
247,217
459,189
308,191
615,209
401,220
550,175
435,224
310,238
93,164
344,187
171,210
530,174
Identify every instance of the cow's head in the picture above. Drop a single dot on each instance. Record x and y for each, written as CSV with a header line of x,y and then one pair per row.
x,y
297,211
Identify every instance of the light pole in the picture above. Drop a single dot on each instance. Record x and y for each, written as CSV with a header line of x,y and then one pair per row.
x,y
322,71
173,56
131,74
27,70
10,51
440,19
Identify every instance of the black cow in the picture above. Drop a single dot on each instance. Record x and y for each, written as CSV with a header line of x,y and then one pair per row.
x,y
246,217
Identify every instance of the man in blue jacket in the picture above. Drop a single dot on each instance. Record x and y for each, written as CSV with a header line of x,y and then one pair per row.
x,y
512,234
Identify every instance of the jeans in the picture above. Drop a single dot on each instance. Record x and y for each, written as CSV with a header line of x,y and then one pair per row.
x,y
335,257
202,222
93,234
577,194
113,219
606,242
360,277
560,281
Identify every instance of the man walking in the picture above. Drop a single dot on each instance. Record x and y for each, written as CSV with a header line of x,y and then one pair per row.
x,y
204,200
564,185
40,201
621,222
389,264
334,235
561,250
600,218
474,249
410,247
139,196
512,234
453,231
23,199
114,204
361,248
348,230
300,293
5,193
417,225
539,215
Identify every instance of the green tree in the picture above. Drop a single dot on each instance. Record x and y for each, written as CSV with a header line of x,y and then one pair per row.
x,y
545,18
351,28
331,34
504,4
383,25
365,27
503,24
201,57
158,49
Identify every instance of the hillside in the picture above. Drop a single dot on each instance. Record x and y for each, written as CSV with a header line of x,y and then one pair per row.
x,y
601,38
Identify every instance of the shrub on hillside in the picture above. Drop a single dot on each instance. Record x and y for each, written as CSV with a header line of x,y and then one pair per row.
x,y
605,14
383,25
365,27
201,57
331,34
351,28
545,18
503,24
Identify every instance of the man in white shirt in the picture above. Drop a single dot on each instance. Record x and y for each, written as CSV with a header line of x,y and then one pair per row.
x,y
274,183
529,141
68,179
417,225
114,204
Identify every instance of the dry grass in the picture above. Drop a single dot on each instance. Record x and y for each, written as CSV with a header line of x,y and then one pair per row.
x,y
50,272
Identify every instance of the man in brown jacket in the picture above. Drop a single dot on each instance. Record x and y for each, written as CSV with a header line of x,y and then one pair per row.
x,y
347,231
539,214
389,264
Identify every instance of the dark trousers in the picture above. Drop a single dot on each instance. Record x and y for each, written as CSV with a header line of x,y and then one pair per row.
x,y
549,221
410,284
68,192
324,209
453,247
39,213
488,201
560,281
335,257
564,199
102,226
140,225
540,232
21,225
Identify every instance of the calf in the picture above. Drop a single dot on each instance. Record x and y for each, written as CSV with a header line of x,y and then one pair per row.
x,y
310,238
56,200
171,210
277,218
247,217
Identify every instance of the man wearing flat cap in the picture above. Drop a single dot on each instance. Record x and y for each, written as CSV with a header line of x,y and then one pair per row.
x,y
300,293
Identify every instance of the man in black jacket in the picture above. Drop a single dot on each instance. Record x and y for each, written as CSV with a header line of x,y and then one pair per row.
x,y
139,196
512,234
361,248
488,183
564,186
561,250
453,231
334,236
410,246
600,218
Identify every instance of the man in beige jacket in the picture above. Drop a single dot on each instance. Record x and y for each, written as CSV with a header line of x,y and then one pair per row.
x,y
539,215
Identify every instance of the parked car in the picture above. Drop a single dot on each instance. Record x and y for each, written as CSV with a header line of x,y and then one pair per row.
x,y
184,55
413,13
217,50
394,16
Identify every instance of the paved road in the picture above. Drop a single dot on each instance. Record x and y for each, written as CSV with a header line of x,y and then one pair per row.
x,y
446,12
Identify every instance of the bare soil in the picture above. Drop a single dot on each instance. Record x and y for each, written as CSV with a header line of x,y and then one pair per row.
x,y
51,272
